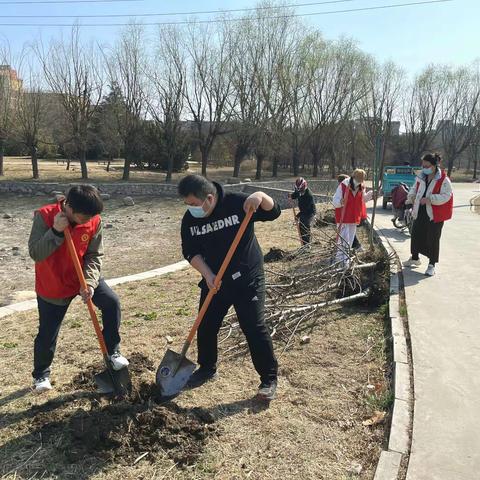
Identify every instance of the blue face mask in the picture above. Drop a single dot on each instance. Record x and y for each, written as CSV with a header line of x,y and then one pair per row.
x,y
198,212
427,171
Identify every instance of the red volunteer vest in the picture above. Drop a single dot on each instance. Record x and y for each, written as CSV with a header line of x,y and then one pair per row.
x,y
364,211
55,277
444,212
354,207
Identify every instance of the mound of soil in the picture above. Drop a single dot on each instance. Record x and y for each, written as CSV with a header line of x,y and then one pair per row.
x,y
274,255
122,431
139,363
326,218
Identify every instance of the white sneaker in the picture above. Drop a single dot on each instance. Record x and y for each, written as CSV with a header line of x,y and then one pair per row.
x,y
118,361
42,385
412,263
430,272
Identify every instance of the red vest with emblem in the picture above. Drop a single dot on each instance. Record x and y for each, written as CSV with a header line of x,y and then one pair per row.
x,y
55,277
444,212
354,207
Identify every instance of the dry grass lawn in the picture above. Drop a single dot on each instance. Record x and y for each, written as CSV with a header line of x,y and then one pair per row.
x,y
313,430
20,169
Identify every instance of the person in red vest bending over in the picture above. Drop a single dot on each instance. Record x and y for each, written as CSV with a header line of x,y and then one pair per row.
x,y
349,202
432,199
56,282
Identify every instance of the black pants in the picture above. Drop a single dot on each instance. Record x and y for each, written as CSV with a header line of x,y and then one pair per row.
x,y
356,244
249,303
426,237
305,222
51,317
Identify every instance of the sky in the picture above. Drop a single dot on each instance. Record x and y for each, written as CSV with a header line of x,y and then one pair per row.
x,y
412,36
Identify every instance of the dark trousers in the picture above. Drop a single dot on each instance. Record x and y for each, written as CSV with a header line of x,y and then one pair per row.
x,y
249,303
356,244
426,237
51,317
304,222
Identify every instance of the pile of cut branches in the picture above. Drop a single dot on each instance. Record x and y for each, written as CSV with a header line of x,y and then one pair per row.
x,y
302,284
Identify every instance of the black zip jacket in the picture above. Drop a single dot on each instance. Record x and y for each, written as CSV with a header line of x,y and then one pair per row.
x,y
212,236
306,202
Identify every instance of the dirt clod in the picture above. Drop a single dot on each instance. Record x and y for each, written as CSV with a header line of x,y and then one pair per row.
x,y
274,255
123,430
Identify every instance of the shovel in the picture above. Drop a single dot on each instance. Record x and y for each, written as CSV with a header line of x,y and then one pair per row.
x,y
110,381
295,219
175,369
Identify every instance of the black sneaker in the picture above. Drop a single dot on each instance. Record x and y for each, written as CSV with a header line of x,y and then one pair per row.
x,y
201,376
266,390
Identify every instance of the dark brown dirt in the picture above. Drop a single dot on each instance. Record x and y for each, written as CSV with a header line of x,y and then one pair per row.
x,y
274,255
123,430
325,218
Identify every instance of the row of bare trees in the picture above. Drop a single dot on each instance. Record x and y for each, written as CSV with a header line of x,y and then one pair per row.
x,y
278,91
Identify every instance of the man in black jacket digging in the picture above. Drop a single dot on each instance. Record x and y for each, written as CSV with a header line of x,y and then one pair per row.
x,y
208,229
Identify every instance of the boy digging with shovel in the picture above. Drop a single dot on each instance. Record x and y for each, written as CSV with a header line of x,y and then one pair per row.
x,y
56,282
208,229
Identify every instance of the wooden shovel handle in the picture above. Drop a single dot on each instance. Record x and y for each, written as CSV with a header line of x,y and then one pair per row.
x,y
84,286
218,279
295,219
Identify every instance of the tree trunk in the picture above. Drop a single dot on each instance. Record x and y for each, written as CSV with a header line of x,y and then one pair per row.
x,y
275,167
475,162
333,172
126,167
450,163
315,160
296,162
168,178
83,163
240,152
260,158
2,150
33,154
204,152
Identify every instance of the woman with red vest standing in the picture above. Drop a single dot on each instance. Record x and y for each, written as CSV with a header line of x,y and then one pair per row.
x,y
56,282
432,199
349,202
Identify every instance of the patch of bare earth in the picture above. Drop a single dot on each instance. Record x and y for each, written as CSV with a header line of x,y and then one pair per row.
x,y
137,238
314,429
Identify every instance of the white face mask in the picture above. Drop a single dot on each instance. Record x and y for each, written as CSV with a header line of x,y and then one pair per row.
x,y
356,183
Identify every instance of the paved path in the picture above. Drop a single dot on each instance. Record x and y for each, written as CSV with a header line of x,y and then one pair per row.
x,y
444,320
157,272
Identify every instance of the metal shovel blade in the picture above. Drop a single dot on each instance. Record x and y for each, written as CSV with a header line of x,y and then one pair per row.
x,y
113,381
173,373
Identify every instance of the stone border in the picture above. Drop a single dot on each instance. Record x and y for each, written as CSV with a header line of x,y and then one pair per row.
x,y
399,441
273,188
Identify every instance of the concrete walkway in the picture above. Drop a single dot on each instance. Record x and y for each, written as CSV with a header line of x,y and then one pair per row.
x,y
156,272
444,321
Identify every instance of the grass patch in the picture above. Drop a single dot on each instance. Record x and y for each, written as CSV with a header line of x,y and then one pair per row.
x,y
149,317
382,401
